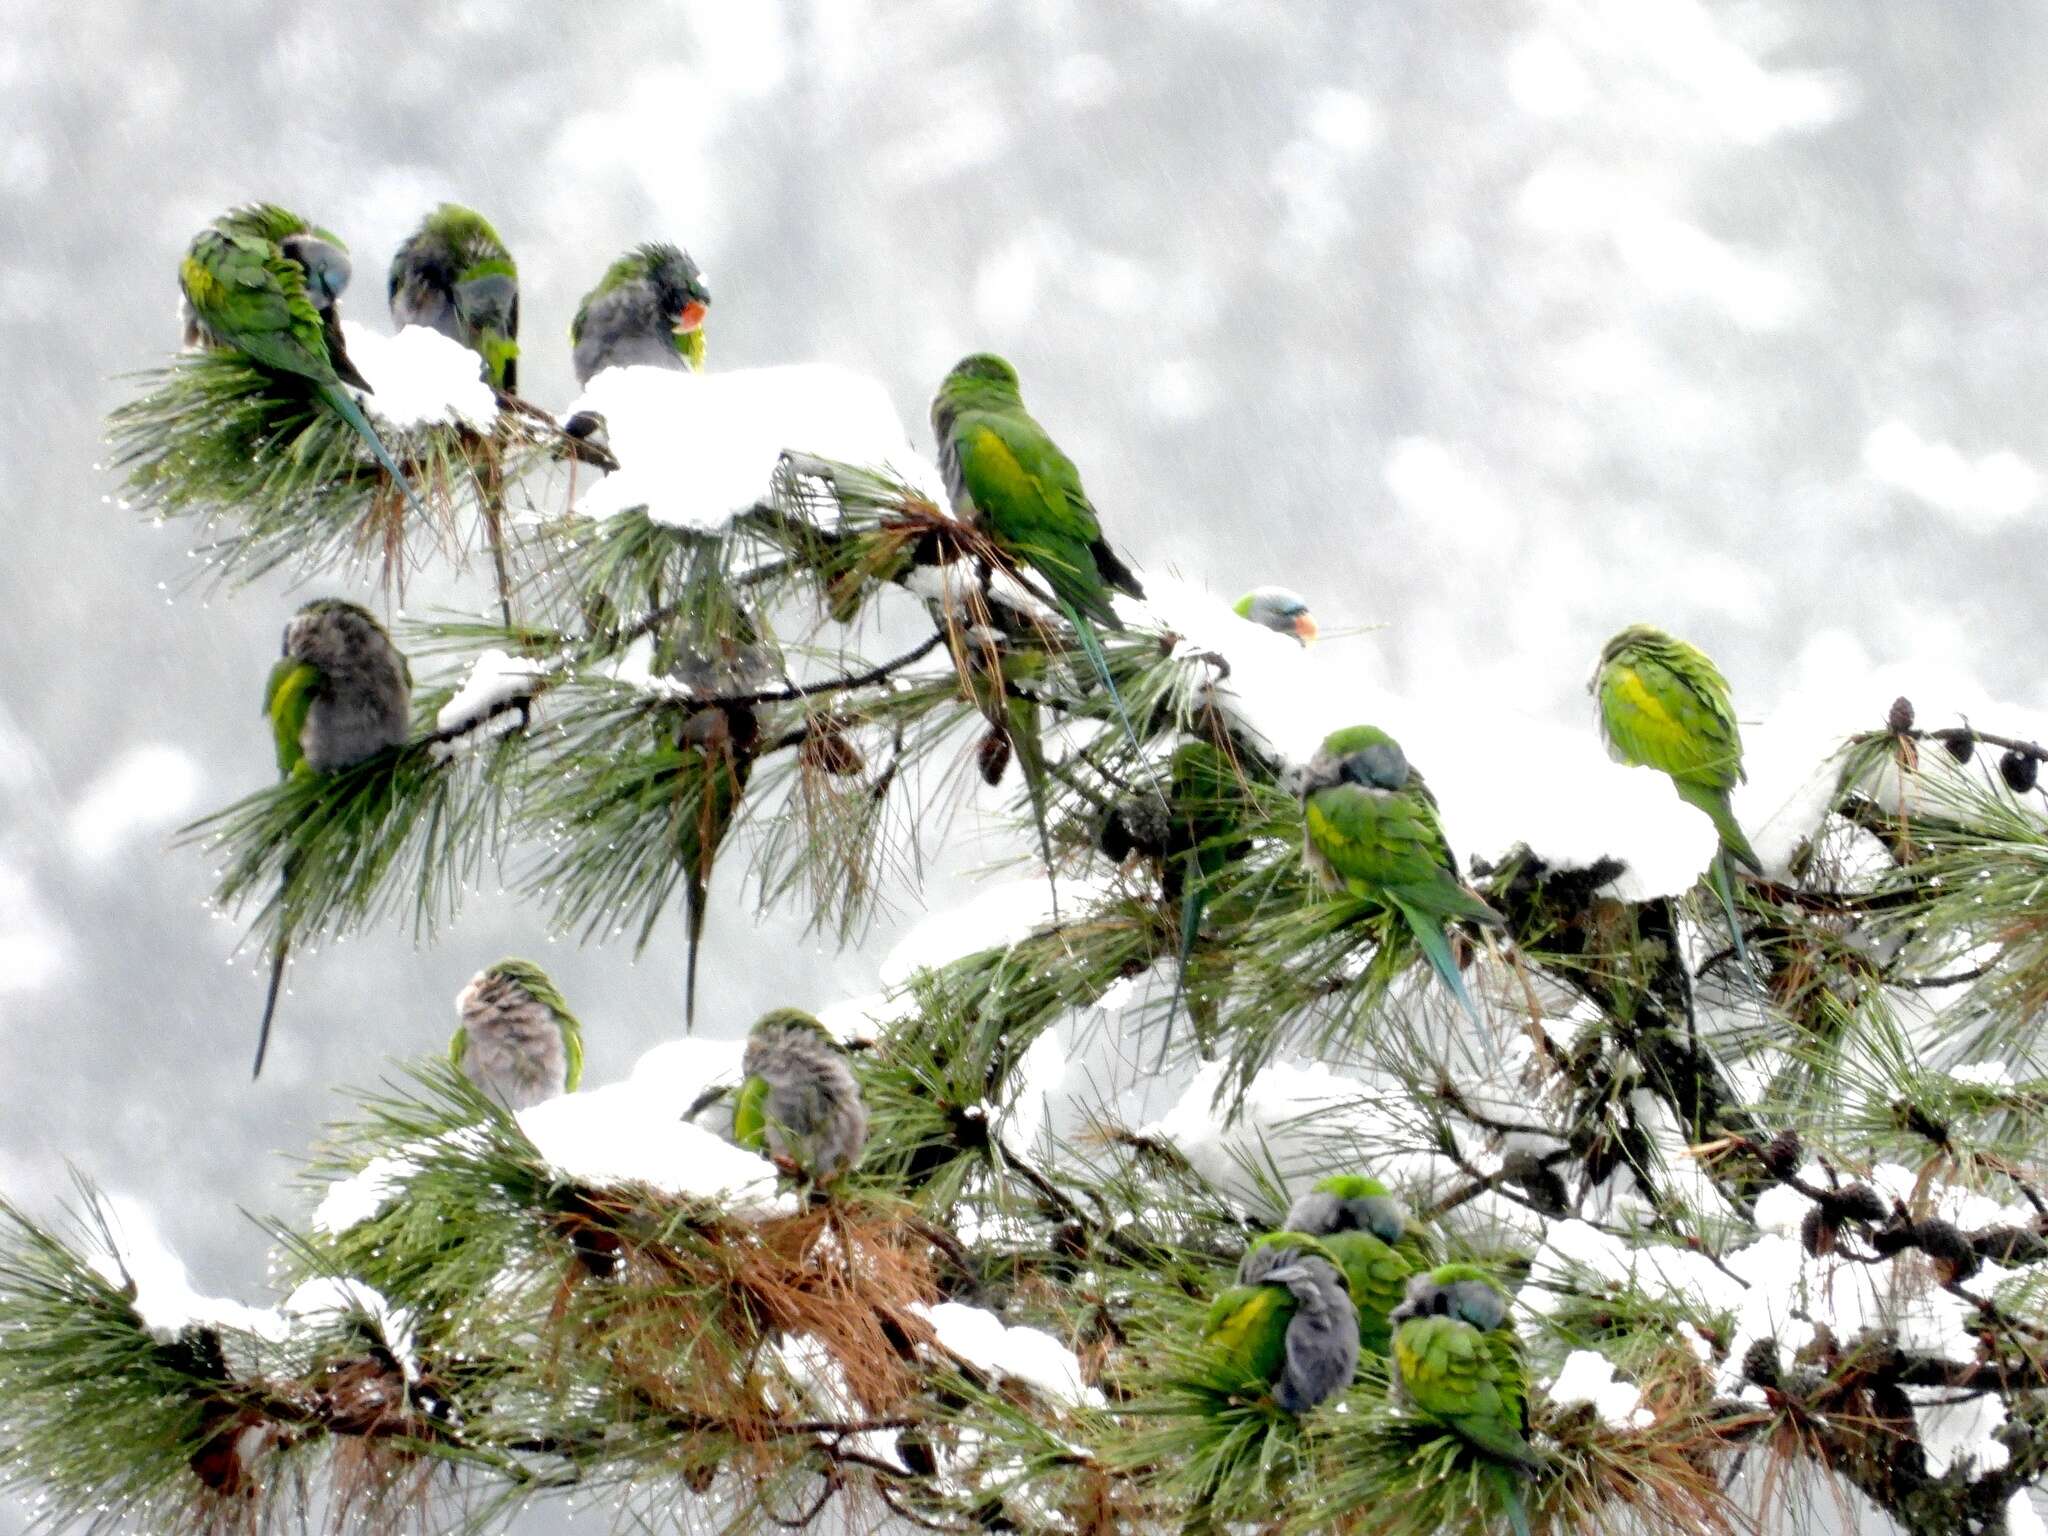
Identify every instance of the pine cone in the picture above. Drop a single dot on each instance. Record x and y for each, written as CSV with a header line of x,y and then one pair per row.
x,y
992,756
1962,746
1900,720
828,747
2019,770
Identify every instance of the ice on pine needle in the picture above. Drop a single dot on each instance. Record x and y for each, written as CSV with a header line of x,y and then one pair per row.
x,y
696,448
420,378
622,1134
1028,1355
1588,1377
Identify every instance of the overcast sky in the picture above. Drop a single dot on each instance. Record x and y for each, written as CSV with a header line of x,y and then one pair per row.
x,y
1495,325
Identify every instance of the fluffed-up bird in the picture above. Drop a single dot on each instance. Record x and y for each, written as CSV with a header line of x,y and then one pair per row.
x,y
1288,1322
454,275
340,694
262,281
798,1100
1359,1220
517,1039
1458,1361
648,309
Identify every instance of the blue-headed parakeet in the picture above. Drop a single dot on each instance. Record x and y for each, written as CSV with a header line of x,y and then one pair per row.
x,y
1363,1225
648,309
1370,829
799,1101
454,275
1277,609
1287,1323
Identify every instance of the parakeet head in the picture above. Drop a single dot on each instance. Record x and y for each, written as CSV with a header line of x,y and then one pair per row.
x,y
790,1024
1635,637
1462,1291
1277,1252
325,264
1278,609
1359,754
679,287
978,381
1349,1202
331,630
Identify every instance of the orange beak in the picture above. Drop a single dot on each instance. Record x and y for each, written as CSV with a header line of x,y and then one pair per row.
x,y
691,317
1305,628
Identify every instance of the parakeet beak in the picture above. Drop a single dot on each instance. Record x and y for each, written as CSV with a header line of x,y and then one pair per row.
x,y
691,317
1305,627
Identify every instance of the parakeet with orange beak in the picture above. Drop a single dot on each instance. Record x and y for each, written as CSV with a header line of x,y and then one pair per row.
x,y
648,310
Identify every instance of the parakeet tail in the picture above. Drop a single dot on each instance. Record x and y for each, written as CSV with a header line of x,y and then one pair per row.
x,y
1020,726
1194,902
346,408
277,961
1436,949
1723,883
693,900
1509,1487
1715,803
1092,644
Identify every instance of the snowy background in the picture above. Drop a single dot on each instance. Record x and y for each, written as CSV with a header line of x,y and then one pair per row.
x,y
1495,325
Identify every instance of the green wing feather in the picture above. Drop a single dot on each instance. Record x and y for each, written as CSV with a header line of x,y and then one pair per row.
x,y
458,1047
287,698
1462,1379
252,296
750,1114
1029,496
1247,1329
1378,1277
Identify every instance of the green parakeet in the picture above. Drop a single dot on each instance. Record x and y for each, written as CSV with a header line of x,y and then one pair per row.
x,y
1458,1361
647,309
1008,478
1279,610
1664,705
264,282
1288,1322
454,275
1361,1223
1370,828
799,1101
517,1039
340,694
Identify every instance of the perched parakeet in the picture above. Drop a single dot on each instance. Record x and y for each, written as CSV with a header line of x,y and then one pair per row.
x,y
454,275
1288,1322
1361,1222
1458,1361
340,694
1370,828
517,1041
1279,610
799,1100
648,308
1664,705
1008,478
262,281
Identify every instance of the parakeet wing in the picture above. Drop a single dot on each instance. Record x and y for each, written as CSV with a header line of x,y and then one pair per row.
x,y
750,1114
572,1048
1672,712
1030,495
1378,1277
250,293
1383,843
286,699
1451,1372
1247,1328
458,1047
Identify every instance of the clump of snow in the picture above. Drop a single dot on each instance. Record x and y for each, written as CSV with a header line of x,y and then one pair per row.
x,y
1575,1254
1588,1377
622,1134
363,1194
997,916
694,449
2021,1518
163,1296
496,677
329,1301
679,1070
145,787
823,1392
420,378
1288,1117
1029,1355
1983,1074
1036,1086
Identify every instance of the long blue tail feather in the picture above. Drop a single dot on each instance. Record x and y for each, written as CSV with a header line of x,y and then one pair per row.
x,y
347,409
1436,949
